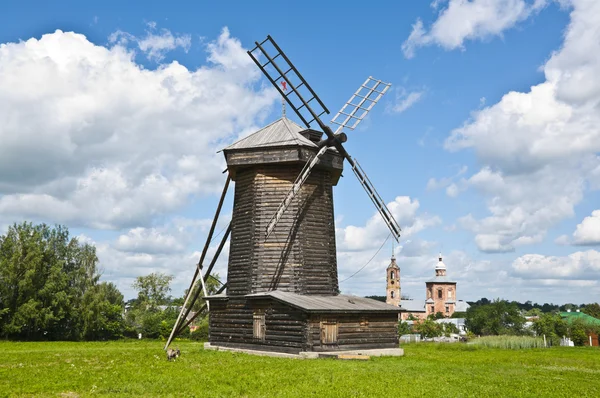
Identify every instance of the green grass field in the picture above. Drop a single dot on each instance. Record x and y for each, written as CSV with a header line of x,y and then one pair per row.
x,y
139,368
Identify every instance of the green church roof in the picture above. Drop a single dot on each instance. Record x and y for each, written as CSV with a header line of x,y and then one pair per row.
x,y
570,316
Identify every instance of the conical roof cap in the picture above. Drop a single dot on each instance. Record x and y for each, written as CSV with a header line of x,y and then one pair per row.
x,y
282,132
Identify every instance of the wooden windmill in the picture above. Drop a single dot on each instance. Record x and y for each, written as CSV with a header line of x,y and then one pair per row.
x,y
282,289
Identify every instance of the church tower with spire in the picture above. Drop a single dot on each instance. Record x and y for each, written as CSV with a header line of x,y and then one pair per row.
x,y
393,283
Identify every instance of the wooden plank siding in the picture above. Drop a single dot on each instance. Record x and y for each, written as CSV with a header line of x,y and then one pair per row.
x,y
232,324
291,330
380,331
300,254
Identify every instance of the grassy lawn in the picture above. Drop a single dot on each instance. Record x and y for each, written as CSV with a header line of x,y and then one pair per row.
x,y
139,368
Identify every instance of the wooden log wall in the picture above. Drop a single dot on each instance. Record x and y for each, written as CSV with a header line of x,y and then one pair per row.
x,y
300,254
355,331
231,325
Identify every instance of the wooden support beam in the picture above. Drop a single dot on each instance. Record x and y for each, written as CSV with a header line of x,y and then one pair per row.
x,y
202,256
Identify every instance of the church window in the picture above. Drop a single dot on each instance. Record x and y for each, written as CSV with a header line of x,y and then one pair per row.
x,y
440,293
447,309
432,309
449,293
392,294
392,275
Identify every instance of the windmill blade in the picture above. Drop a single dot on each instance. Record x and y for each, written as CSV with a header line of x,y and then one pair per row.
x,y
361,102
300,95
302,177
388,218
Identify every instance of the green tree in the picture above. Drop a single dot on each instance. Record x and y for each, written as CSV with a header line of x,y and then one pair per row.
x,y
592,310
449,328
552,326
102,311
499,317
152,290
437,315
44,275
578,332
534,312
429,328
403,328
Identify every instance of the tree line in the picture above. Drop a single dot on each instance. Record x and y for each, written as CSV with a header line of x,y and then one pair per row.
x,y
50,289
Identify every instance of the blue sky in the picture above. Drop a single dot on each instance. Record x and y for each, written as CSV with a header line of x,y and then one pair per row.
x,y
486,146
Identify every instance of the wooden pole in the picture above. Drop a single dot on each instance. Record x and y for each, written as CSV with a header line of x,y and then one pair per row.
x,y
199,266
210,267
545,341
198,313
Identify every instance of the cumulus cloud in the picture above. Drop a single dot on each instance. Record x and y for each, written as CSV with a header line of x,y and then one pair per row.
x,y
91,138
580,265
403,208
588,232
173,249
463,20
154,44
539,148
366,246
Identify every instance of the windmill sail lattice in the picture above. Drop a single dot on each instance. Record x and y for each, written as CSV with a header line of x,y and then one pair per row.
x,y
300,94
361,102
302,98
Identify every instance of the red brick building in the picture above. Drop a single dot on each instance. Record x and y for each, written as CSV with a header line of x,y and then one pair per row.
x,y
440,293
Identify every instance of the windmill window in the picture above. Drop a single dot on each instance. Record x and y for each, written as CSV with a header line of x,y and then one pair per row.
x,y
440,293
329,332
259,326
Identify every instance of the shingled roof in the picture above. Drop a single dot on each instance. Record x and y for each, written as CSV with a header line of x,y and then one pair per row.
x,y
282,132
341,303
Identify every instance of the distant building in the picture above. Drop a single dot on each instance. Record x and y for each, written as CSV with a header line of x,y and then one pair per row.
x,y
569,317
440,293
393,283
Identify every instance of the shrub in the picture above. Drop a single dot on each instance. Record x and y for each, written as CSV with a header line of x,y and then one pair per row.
x,y
403,328
201,334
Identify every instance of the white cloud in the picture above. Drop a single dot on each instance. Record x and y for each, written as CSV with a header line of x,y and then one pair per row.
x,y
405,99
588,232
148,240
154,44
90,138
352,238
579,265
452,188
165,249
359,245
465,20
538,148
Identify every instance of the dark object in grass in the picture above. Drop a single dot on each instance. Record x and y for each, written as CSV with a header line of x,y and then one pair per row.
x,y
173,353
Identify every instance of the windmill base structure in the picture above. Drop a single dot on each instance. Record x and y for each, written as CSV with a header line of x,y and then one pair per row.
x,y
282,289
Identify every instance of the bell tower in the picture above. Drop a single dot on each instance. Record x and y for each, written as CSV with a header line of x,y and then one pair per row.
x,y
393,283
